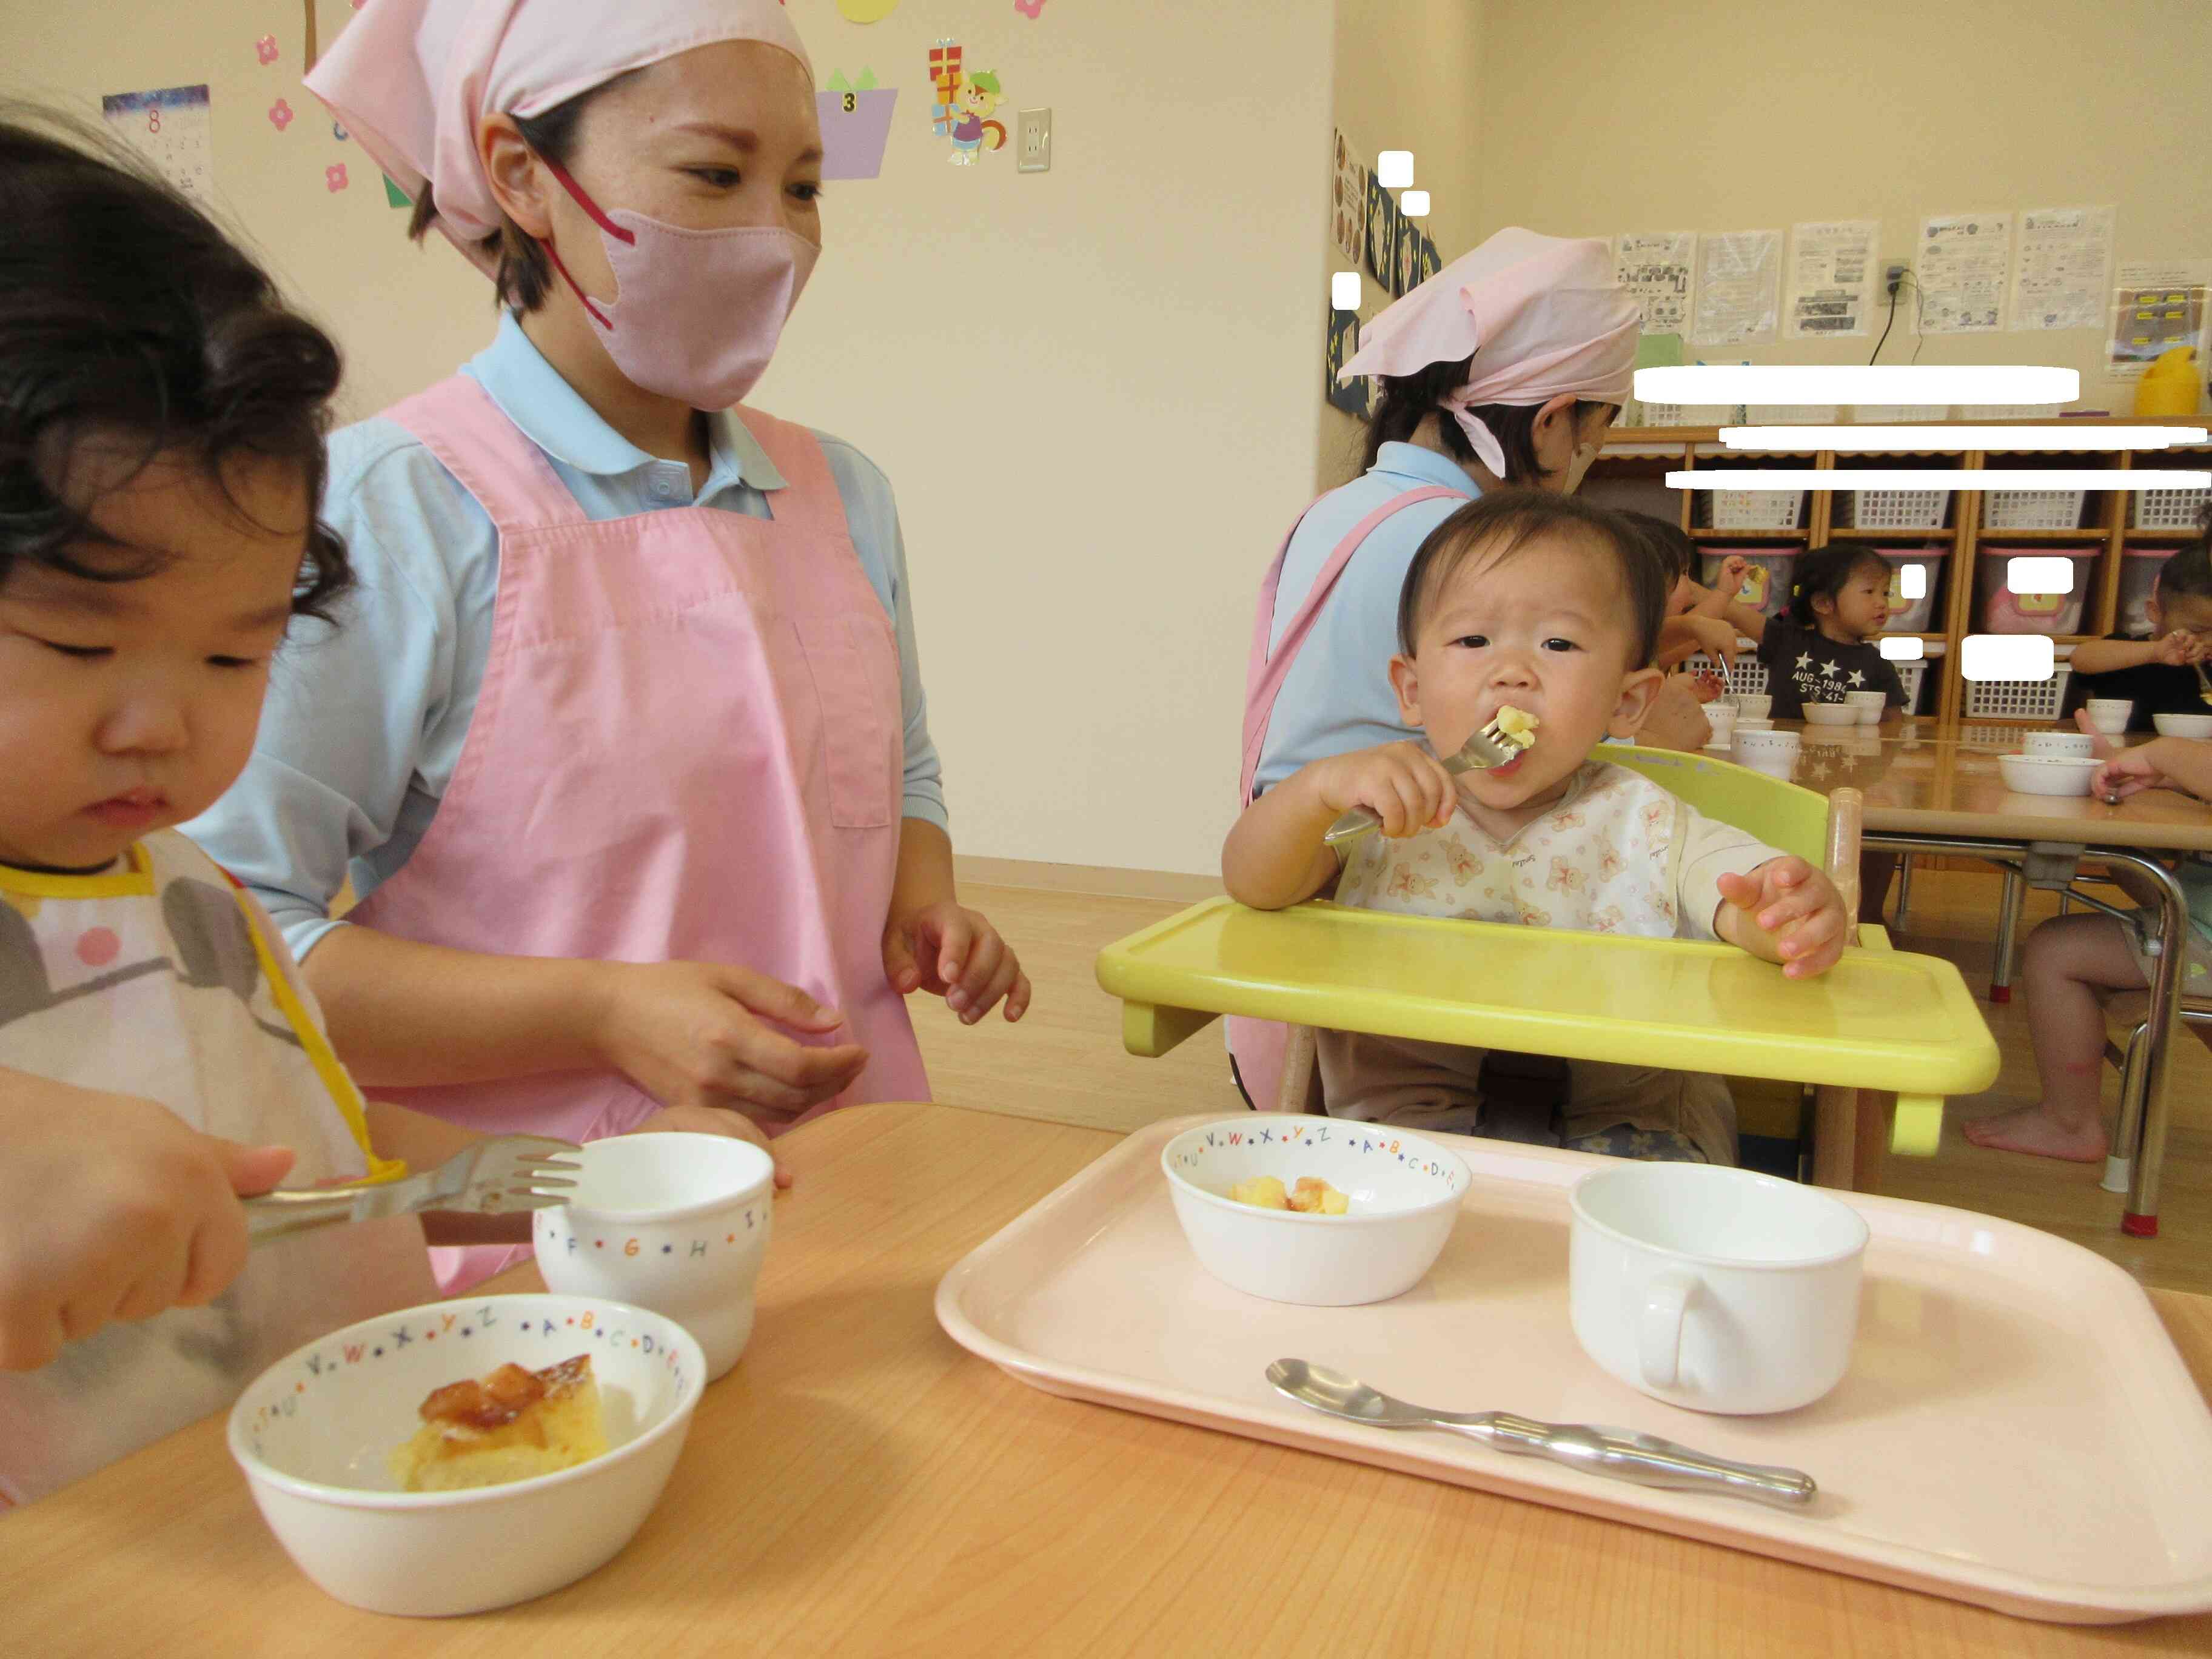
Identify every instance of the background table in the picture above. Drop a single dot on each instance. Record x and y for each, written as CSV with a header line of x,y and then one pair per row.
x,y
1925,794
860,1484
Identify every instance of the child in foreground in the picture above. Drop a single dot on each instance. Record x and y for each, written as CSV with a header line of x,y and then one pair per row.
x,y
2073,963
161,423
1537,602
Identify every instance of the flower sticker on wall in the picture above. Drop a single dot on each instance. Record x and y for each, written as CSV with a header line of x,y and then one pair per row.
x,y
334,176
266,48
280,115
1029,9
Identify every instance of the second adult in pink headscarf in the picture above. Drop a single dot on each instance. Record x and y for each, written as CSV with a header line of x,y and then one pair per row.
x,y
1541,316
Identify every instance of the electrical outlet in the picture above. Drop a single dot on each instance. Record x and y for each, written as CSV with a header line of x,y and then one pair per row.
x,y
1895,276
1033,149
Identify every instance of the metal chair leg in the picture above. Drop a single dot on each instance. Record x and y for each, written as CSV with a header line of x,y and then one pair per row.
x,y
2127,1126
2008,909
1903,888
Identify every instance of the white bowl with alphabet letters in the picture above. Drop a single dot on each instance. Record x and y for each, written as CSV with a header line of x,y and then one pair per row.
x,y
676,1223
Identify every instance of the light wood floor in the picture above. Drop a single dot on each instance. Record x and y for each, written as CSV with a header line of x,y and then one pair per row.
x,y
1065,1063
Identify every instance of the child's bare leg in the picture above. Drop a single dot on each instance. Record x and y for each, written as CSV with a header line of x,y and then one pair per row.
x,y
2069,960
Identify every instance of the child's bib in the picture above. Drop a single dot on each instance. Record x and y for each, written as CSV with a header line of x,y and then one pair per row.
x,y
1605,859
165,981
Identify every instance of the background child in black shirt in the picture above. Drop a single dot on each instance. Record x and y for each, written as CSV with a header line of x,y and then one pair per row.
x,y
2157,674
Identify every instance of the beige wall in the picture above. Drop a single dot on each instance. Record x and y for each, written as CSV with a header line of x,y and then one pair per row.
x,y
1407,74
1600,116
1095,389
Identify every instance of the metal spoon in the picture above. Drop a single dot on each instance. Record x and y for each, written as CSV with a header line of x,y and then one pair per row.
x,y
2203,685
1621,1453
1487,748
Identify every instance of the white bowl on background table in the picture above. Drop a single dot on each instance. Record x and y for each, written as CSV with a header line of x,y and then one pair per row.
x,y
2198,726
1405,1191
313,1433
2047,775
1871,705
2110,715
1831,714
1753,705
2079,744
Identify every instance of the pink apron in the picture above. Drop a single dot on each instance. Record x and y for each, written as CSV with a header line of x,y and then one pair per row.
x,y
689,746
1257,1045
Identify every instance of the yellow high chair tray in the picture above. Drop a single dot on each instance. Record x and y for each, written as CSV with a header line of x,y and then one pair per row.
x,y
1881,1019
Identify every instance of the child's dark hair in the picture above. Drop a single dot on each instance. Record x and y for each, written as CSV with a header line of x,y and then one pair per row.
x,y
1505,523
1669,541
2187,575
1825,572
124,313
1410,399
525,275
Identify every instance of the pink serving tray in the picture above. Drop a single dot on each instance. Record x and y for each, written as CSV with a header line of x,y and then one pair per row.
x,y
2016,1431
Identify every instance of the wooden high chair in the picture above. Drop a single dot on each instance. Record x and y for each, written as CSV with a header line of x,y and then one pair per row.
x,y
1882,1037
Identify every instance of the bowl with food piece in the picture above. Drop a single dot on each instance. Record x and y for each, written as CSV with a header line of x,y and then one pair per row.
x,y
2198,726
1831,714
1322,1211
468,1455
2047,775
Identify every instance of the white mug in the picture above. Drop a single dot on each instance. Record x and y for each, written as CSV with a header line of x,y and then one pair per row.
x,y
674,1223
1722,718
2080,745
2110,715
1871,705
1713,1288
1757,705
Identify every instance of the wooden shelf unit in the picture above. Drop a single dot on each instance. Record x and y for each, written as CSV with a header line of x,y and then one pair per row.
x,y
2104,520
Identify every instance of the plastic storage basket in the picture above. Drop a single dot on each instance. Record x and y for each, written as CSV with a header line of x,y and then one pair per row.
x,y
2139,571
1757,509
1912,674
2033,509
2167,509
1895,510
1766,587
2026,700
1911,615
2004,611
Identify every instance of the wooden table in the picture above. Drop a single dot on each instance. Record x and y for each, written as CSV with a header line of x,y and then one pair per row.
x,y
1946,795
861,1485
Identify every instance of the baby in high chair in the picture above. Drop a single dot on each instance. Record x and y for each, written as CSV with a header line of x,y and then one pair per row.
x,y
1533,601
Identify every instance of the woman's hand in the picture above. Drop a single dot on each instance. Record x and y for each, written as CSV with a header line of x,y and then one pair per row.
x,y
111,1208
1784,911
951,951
705,1035
1401,783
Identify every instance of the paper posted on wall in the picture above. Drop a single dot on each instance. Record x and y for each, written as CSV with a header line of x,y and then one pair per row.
x,y
1739,284
2157,305
2061,273
169,127
1832,277
1964,265
1657,268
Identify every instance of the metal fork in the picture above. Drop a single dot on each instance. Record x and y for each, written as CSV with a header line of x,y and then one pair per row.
x,y
503,1176
1488,748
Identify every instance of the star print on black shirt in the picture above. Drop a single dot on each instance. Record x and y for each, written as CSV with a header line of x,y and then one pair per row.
x,y
1805,666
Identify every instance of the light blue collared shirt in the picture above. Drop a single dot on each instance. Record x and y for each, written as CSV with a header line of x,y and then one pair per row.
x,y
363,727
1338,697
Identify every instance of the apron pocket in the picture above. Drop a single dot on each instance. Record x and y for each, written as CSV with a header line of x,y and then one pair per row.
x,y
855,667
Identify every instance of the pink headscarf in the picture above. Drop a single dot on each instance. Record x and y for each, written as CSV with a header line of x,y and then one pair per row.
x,y
411,80
1542,316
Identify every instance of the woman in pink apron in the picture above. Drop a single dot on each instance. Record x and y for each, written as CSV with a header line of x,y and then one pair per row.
x,y
623,746
1503,370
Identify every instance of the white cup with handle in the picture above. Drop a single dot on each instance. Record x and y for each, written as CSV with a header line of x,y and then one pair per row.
x,y
1716,1289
